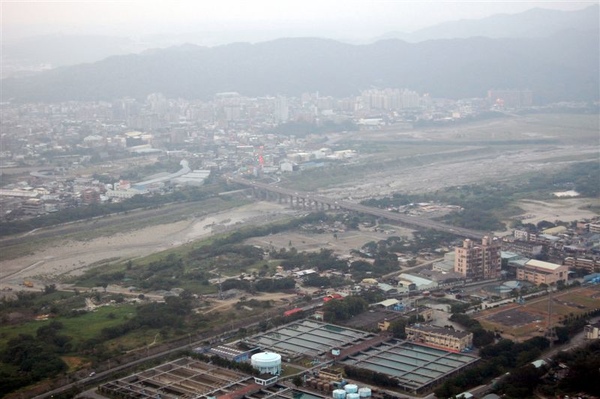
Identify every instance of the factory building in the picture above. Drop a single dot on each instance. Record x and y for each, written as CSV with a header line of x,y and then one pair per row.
x,y
231,353
440,337
592,331
539,272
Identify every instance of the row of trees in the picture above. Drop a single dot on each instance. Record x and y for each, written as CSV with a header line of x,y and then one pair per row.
x,y
90,211
219,361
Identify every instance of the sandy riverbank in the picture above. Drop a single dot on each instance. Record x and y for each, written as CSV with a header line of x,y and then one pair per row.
x,y
50,264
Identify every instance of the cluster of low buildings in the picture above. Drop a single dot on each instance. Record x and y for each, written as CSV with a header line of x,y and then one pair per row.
x,y
69,141
563,249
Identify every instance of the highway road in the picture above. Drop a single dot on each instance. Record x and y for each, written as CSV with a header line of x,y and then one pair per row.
x,y
408,220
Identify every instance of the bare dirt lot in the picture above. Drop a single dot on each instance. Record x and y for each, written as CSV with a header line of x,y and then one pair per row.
x,y
524,321
565,209
342,245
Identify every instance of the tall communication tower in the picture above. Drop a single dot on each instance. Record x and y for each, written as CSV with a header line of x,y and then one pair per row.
x,y
550,329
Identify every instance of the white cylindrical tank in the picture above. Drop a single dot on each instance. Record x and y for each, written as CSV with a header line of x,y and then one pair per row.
x,y
267,363
352,396
339,394
364,392
351,388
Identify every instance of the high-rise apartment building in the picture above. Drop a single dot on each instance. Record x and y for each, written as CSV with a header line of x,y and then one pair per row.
x,y
511,98
478,261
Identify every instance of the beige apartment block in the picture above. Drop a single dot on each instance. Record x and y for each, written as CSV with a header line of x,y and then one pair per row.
x,y
440,337
540,272
478,261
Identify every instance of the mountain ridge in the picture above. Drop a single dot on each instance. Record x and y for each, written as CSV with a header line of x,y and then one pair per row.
x,y
533,23
57,50
563,67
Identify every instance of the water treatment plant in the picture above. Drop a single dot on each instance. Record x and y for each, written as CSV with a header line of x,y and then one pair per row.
x,y
318,352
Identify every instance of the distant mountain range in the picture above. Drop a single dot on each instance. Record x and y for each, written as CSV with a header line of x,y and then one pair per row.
x,y
533,23
60,50
56,50
562,67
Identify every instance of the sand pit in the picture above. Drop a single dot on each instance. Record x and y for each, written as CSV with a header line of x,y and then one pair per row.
x,y
564,209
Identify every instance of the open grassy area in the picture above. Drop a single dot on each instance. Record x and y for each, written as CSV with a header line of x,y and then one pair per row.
x,y
81,328
290,370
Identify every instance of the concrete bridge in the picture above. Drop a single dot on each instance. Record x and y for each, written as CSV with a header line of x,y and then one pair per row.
x,y
313,201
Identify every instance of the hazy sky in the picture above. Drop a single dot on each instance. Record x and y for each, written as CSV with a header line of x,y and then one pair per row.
x,y
351,19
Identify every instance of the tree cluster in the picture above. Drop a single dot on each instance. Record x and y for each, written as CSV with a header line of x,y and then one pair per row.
x,y
481,336
171,313
34,358
496,359
323,260
343,309
583,365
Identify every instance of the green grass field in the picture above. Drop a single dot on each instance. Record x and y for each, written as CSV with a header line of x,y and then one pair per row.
x,y
81,328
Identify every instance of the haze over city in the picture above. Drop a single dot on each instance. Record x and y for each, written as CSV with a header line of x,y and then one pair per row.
x,y
300,199
228,21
